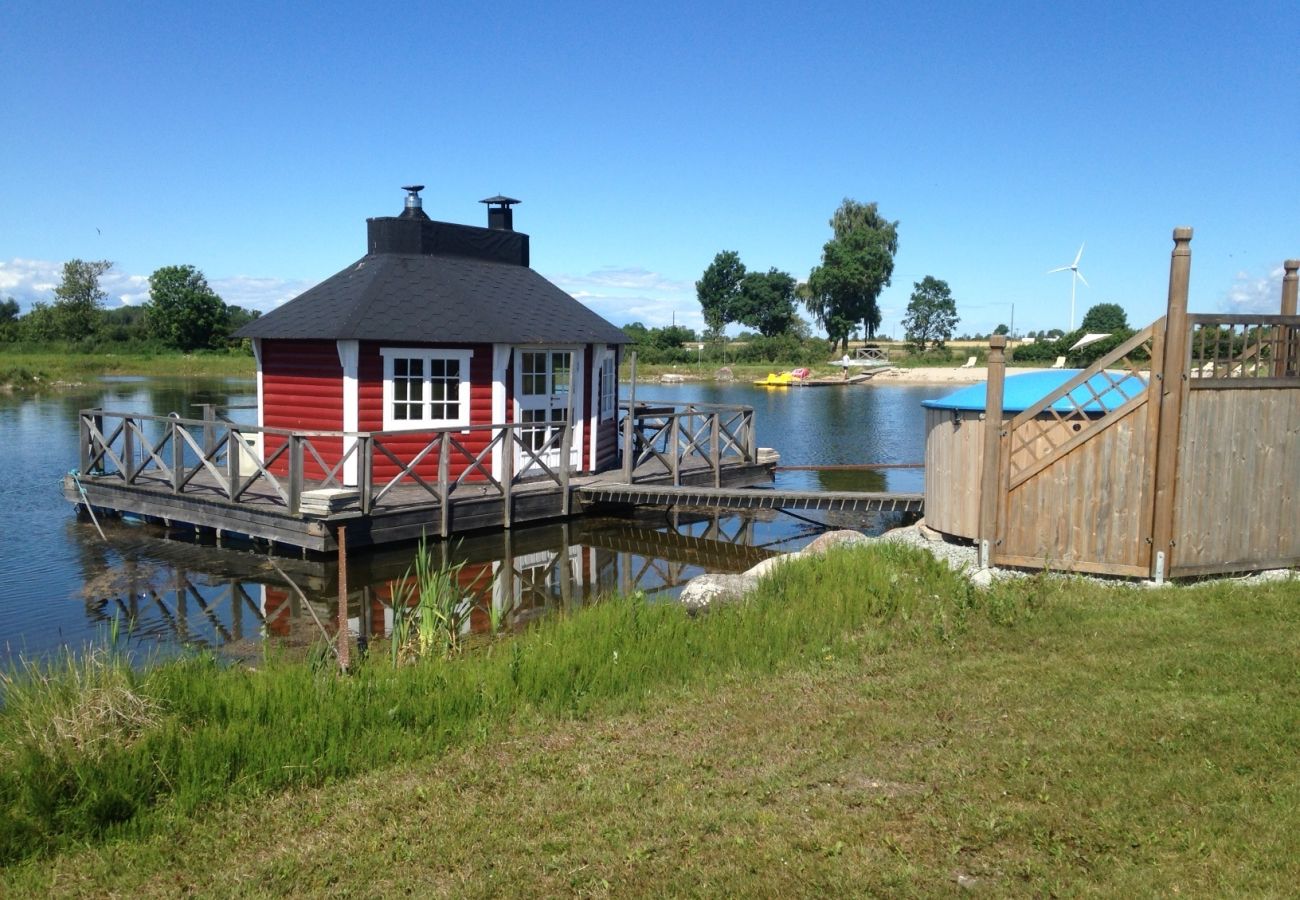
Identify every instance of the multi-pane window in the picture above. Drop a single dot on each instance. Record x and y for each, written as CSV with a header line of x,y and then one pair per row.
x,y
425,388
608,380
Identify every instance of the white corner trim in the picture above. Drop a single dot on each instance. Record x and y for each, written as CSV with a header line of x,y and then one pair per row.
x,y
349,355
500,362
261,398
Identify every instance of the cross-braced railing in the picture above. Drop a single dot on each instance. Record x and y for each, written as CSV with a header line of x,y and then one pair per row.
x,y
274,467
1066,416
678,437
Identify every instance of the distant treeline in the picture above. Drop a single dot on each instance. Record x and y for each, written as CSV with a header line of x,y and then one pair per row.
x,y
183,313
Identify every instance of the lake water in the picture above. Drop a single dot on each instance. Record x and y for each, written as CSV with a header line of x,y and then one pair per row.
x,y
61,583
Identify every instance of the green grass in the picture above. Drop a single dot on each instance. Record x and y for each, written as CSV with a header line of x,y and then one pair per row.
x,y
867,724
26,369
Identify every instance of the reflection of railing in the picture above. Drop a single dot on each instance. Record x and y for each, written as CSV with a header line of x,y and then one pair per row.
x,y
679,436
1261,349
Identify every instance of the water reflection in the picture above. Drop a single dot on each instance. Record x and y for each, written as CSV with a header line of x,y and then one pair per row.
x,y
168,591
60,584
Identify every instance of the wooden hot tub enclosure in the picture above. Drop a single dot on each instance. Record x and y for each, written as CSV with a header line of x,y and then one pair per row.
x,y
1195,472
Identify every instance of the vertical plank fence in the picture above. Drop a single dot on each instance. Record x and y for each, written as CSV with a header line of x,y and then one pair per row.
x,y
1197,473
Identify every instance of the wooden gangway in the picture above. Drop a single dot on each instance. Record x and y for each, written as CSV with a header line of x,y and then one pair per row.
x,y
624,494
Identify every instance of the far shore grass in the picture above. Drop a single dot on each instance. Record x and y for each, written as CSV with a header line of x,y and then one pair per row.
x,y
866,724
35,370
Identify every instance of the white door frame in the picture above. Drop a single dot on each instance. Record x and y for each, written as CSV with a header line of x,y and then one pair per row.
x,y
556,403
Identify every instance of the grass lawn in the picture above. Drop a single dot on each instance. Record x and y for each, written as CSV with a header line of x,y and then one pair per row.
x,y
1045,737
29,369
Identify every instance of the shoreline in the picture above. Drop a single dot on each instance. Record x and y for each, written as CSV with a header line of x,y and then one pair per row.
x,y
917,375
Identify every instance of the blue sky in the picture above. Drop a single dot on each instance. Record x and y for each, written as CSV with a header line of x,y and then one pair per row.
x,y
253,140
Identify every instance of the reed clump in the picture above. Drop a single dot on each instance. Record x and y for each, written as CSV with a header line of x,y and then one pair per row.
x,y
194,732
79,708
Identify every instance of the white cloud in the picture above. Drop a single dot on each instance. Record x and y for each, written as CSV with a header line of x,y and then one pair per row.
x,y
260,293
624,294
1253,293
30,280
624,278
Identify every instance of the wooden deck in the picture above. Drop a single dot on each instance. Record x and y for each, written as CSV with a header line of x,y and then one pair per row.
x,y
407,512
209,475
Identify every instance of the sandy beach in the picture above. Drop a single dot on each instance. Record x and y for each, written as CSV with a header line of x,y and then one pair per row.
x,y
941,375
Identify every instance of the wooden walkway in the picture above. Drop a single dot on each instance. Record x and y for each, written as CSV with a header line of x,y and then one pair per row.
x,y
209,475
645,494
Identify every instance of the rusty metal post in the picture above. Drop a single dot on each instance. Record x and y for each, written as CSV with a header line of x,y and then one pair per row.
x,y
991,470
344,649
1171,384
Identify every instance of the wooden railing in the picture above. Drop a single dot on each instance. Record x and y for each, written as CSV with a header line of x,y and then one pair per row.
x,y
681,436
1243,351
273,467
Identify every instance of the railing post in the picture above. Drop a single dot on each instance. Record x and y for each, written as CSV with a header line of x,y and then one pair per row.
x,y
209,436
991,469
629,428
444,485
507,471
676,458
566,452
98,419
178,456
234,450
295,473
1171,384
1288,350
751,436
128,449
715,454
365,471
87,450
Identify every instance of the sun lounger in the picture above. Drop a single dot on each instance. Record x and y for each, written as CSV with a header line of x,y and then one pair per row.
x,y
969,363
1060,363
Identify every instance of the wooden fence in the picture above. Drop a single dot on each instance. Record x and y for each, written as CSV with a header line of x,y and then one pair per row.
x,y
217,459
1195,473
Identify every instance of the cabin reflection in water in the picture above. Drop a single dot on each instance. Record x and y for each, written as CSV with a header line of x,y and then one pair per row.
x,y
179,592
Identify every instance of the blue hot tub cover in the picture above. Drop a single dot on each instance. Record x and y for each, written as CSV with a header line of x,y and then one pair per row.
x,y
1023,391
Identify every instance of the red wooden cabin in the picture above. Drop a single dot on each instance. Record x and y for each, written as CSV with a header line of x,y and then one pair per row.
x,y
438,326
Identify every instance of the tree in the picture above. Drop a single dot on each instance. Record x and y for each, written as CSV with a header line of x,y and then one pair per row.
x,y
766,302
183,311
1002,329
1105,318
931,314
857,264
78,299
718,289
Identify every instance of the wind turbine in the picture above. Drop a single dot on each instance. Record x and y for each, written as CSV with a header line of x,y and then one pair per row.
x,y
1075,277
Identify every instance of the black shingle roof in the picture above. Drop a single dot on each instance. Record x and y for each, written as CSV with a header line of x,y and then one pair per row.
x,y
435,298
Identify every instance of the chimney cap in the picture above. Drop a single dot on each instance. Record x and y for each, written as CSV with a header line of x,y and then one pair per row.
x,y
413,188
503,201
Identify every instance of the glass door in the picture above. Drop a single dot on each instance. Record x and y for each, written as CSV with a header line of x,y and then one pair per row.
x,y
543,388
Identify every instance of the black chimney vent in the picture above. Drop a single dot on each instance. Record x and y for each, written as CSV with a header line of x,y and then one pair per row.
x,y
500,215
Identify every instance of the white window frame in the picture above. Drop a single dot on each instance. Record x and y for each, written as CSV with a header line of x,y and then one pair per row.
x,y
428,355
608,384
